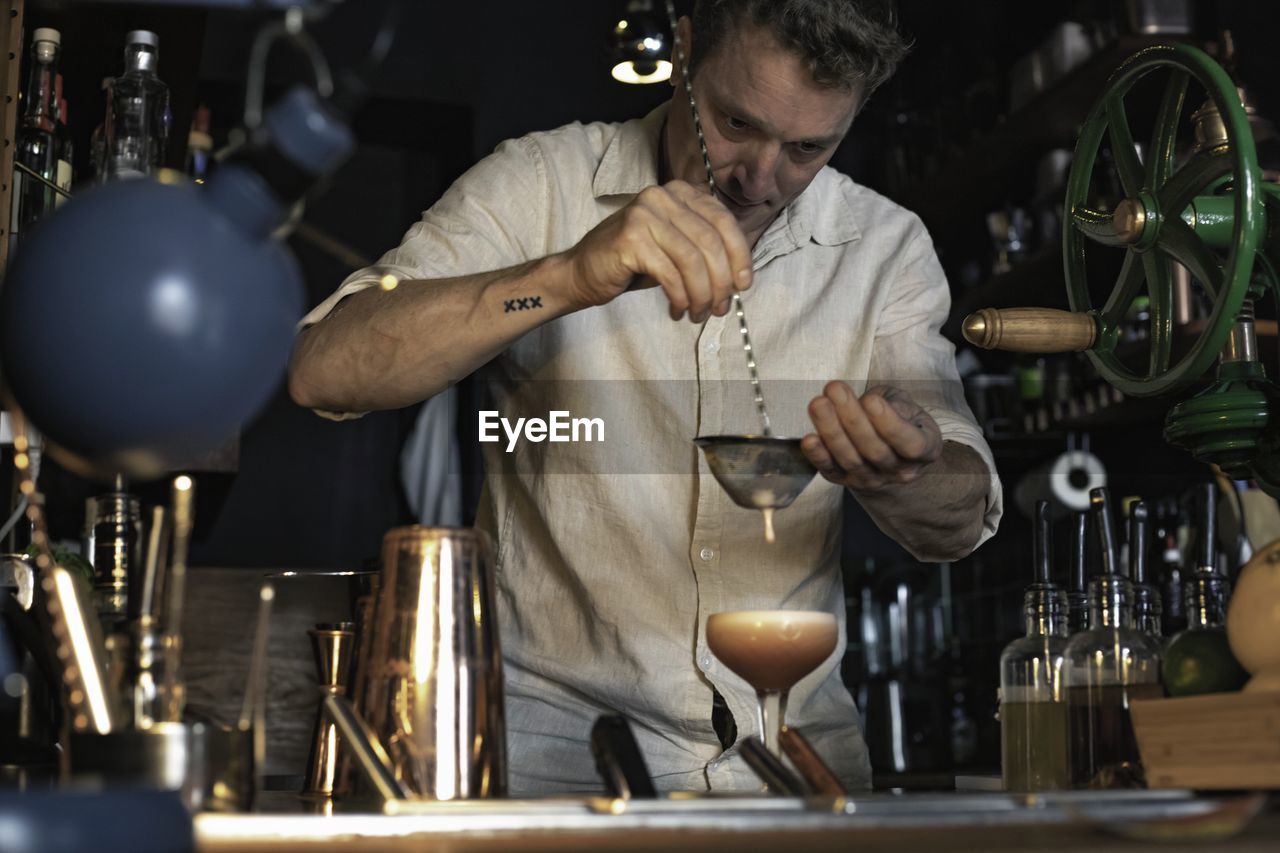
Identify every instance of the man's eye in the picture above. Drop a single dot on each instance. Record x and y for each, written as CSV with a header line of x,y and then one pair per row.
x,y
809,148
735,123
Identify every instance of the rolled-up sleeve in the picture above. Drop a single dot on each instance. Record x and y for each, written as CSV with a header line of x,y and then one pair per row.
x,y
492,217
910,353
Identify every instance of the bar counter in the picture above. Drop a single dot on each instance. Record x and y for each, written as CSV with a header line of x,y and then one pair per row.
x,y
1076,821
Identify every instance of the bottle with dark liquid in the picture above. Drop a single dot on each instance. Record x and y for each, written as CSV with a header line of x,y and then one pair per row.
x,y
1146,598
1107,667
1172,616
1033,711
1077,596
1198,659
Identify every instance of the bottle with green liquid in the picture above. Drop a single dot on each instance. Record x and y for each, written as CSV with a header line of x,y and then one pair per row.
x,y
1033,711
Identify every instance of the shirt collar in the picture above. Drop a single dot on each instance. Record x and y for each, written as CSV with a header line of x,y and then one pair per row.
x,y
630,163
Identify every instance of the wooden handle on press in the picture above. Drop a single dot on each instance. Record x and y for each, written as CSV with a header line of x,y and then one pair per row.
x,y
1034,330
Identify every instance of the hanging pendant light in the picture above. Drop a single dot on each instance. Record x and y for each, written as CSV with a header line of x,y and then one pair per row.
x,y
641,47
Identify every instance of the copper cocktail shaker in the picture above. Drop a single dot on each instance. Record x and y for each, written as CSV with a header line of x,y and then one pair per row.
x,y
432,686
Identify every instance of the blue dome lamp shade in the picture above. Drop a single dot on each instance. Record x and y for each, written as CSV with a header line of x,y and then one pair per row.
x,y
144,323
640,49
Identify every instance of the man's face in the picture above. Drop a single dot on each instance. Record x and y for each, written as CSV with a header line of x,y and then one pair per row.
x,y
769,127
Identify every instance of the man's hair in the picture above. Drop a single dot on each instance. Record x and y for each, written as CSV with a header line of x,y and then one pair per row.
x,y
847,43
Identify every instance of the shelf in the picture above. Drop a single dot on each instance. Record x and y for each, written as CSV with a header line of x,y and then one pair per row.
x,y
1036,282
976,179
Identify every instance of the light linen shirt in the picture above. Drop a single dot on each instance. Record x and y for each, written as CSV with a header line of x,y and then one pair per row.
x,y
611,554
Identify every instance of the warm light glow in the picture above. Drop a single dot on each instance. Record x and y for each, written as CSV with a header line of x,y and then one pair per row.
x,y
652,43
450,706
388,282
625,72
78,634
182,483
622,25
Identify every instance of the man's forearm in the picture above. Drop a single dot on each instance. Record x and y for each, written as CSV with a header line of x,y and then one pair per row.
x,y
939,515
383,349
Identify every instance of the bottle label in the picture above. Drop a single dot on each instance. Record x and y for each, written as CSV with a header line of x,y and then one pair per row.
x,y
63,180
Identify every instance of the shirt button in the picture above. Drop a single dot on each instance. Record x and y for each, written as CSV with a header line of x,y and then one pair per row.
x,y
707,555
713,346
705,662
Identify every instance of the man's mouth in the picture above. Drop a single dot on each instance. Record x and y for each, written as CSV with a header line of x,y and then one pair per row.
x,y
734,205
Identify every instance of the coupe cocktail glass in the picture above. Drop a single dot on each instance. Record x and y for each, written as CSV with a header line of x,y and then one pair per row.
x,y
772,650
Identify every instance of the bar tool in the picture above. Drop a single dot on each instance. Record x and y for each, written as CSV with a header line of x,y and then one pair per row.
x,y
811,766
433,689
776,775
619,760
332,645
364,748
758,472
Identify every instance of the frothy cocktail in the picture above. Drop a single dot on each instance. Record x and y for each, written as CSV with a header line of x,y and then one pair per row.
x,y
772,649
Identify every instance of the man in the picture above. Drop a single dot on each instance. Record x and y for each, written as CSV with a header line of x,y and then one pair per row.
x,y
561,262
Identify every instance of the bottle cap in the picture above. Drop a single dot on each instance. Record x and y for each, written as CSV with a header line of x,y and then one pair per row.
x,y
142,37
47,34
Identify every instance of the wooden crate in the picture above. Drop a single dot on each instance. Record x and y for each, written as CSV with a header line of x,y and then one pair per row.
x,y
1223,741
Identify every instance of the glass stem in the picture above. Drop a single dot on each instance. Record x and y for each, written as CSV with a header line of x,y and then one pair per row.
x,y
772,704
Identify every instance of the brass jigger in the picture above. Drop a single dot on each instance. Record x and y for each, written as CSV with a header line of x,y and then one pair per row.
x,y
332,645
758,472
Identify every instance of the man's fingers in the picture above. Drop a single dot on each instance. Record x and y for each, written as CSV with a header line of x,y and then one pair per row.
x,y
827,423
905,427
734,243
861,431
672,246
702,220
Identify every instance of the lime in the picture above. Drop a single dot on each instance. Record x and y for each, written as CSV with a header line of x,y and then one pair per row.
x,y
1199,660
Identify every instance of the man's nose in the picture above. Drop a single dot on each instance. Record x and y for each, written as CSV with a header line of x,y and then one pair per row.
x,y
756,174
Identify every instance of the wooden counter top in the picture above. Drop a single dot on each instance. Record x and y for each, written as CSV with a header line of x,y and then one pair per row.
x,y
865,824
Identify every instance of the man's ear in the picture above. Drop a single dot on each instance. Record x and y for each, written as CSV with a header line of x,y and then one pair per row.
x,y
684,32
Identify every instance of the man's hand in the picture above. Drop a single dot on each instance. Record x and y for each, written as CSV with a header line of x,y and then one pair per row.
x,y
676,236
869,444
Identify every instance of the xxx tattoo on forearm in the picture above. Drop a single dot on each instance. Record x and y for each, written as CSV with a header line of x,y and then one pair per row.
x,y
524,303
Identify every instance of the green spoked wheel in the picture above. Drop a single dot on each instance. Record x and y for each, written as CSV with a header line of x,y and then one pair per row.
x,y
1150,223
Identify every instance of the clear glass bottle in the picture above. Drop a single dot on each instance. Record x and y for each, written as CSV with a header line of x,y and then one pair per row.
x,y
37,147
1077,595
1198,659
136,129
1033,710
1106,668
1146,598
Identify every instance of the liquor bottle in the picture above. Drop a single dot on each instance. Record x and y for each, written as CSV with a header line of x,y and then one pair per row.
x,y
1198,659
1173,616
136,129
1107,667
1077,597
65,148
1146,598
1033,710
37,137
199,147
